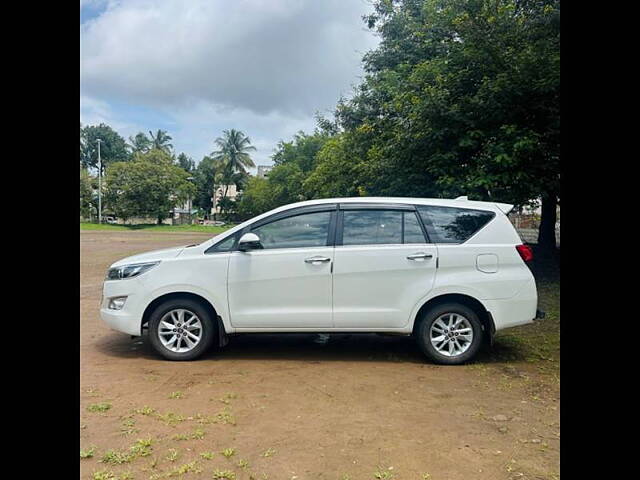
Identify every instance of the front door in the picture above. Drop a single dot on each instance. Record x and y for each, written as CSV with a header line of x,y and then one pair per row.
x,y
383,266
287,284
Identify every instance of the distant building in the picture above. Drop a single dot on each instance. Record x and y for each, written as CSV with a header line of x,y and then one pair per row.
x,y
263,170
232,193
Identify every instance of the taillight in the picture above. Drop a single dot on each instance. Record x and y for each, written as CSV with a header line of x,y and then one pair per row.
x,y
525,252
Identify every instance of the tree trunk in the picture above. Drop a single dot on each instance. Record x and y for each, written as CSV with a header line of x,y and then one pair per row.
x,y
159,220
547,230
224,196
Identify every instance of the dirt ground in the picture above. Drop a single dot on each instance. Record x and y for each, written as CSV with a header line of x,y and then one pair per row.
x,y
358,407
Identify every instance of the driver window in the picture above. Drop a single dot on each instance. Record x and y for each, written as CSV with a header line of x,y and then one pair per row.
x,y
306,230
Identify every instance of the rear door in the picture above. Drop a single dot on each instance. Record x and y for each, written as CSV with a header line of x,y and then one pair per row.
x,y
383,265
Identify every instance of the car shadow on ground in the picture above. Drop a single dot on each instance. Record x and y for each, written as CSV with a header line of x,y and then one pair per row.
x,y
365,347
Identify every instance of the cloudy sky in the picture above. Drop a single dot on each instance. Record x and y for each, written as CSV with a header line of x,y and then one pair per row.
x,y
196,67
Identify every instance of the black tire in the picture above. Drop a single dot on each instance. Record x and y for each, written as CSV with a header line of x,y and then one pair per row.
x,y
208,335
424,329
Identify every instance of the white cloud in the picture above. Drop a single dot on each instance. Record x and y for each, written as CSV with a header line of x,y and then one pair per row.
x,y
262,55
200,66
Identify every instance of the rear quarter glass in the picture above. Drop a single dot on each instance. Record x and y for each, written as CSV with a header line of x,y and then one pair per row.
x,y
499,231
451,224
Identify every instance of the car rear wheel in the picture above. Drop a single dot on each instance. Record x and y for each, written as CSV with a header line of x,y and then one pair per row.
x,y
181,329
450,334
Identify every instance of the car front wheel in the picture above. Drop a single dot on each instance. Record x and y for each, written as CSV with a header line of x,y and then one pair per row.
x,y
181,329
450,334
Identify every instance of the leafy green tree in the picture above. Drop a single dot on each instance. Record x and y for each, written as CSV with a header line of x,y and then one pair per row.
x,y
460,97
293,162
87,186
186,163
150,185
83,144
112,148
257,197
208,175
301,151
343,170
160,140
140,143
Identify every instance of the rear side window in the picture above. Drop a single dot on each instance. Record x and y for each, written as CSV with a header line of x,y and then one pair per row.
x,y
380,227
371,227
453,225
412,229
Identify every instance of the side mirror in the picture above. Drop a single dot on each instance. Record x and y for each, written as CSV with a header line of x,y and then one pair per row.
x,y
249,241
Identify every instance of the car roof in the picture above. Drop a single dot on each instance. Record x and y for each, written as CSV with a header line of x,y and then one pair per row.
x,y
460,202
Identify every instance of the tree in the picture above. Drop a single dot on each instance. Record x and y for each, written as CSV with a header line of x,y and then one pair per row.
x,y
460,97
150,185
112,148
207,175
293,162
83,144
87,186
302,150
186,163
161,141
257,197
233,152
139,144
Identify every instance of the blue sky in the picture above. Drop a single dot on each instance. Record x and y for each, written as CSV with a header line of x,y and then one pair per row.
x,y
197,67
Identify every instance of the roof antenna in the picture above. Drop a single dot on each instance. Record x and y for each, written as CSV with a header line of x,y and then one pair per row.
x,y
463,198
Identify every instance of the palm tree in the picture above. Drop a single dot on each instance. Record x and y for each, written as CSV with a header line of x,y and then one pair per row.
x,y
161,141
233,153
234,147
139,144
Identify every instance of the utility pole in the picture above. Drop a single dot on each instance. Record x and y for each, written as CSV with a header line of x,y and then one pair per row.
x,y
191,179
99,183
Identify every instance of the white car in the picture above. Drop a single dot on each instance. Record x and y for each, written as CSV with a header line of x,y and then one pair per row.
x,y
448,272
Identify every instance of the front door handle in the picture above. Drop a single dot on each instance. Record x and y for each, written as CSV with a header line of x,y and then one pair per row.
x,y
419,256
316,260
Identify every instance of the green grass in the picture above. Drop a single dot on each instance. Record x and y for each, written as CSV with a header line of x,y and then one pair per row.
x,y
99,407
87,453
155,228
382,474
223,475
103,475
191,467
142,448
176,395
228,452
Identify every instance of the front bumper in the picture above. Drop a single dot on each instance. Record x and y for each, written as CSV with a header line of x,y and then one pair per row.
x,y
121,321
129,319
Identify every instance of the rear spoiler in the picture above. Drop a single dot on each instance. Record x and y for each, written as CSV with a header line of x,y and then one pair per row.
x,y
505,207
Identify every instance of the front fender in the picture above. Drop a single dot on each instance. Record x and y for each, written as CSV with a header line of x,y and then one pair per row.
x,y
218,302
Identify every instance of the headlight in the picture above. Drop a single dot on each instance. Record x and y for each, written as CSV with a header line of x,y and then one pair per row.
x,y
129,271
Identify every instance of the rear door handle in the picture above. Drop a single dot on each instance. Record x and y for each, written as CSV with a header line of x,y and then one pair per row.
x,y
316,260
419,256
